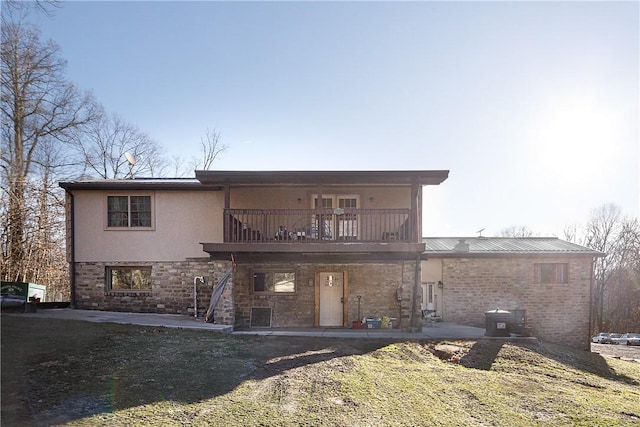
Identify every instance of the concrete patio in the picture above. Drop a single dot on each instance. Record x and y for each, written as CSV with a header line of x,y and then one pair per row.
x,y
438,330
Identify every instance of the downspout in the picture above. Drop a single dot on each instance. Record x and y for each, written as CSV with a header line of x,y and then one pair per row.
x,y
72,257
195,294
593,266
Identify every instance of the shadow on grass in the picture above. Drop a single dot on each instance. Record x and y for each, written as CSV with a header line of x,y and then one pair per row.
x,y
483,355
56,371
585,361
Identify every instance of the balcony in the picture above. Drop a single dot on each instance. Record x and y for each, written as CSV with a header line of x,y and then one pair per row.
x,y
342,225
324,235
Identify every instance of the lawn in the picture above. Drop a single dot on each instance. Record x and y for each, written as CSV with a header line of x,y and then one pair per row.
x,y
57,372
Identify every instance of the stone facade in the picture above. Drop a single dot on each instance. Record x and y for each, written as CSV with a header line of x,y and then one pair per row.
x,y
554,312
376,283
171,293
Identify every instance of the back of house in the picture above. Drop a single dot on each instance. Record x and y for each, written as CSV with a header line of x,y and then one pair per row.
x,y
309,249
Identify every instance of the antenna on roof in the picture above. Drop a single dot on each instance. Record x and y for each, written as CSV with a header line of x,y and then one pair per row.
x,y
480,232
132,162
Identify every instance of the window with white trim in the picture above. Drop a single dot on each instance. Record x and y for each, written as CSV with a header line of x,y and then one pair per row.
x,y
129,211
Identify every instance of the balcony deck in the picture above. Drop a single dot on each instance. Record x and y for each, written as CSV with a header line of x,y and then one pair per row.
x,y
318,231
342,225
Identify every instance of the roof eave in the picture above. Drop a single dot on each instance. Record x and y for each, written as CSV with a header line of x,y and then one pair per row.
x,y
425,177
138,185
513,254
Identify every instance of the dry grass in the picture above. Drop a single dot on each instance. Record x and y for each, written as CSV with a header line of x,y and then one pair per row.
x,y
58,372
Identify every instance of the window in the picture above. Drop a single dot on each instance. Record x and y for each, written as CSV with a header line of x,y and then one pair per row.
x,y
128,211
274,281
551,273
129,278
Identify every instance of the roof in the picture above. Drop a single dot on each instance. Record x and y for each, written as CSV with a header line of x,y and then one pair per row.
x,y
478,246
215,180
422,177
138,184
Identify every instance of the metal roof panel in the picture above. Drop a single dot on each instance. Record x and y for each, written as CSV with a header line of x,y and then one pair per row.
x,y
505,245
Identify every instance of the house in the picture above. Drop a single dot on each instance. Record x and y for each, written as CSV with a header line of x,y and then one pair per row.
x,y
544,281
309,249
305,249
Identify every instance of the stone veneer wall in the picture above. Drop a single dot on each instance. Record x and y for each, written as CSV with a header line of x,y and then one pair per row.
x,y
172,289
555,312
375,282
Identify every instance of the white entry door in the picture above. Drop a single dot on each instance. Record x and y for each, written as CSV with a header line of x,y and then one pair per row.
x,y
331,298
428,296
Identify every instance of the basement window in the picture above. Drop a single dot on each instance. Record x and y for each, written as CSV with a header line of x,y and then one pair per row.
x,y
278,282
547,273
128,278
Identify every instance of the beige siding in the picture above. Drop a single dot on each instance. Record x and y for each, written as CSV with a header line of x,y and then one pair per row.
x,y
287,197
432,270
182,220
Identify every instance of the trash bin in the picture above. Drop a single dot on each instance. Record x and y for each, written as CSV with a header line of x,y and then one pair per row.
x,y
373,322
498,323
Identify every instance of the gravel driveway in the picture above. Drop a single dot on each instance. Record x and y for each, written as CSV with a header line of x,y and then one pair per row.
x,y
626,352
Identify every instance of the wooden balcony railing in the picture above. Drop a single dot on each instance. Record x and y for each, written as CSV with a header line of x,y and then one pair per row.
x,y
314,225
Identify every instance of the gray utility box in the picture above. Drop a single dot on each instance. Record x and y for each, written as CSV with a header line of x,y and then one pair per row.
x,y
518,321
498,323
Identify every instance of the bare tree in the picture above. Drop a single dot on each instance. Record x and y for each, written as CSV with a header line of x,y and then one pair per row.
x,y
621,308
37,103
103,145
177,167
516,231
211,146
602,234
571,233
616,284
45,260
16,10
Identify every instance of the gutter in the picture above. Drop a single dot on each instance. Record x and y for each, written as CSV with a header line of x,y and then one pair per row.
x,y
72,251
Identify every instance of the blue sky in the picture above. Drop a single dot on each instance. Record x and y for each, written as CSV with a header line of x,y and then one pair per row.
x,y
532,106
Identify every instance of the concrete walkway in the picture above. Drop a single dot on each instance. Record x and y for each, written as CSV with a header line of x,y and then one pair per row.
x,y
439,330
144,319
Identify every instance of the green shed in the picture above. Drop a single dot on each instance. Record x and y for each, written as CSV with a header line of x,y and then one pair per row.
x,y
26,290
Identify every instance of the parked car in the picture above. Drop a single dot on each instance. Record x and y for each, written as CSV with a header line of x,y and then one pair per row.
x,y
629,339
612,339
601,337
